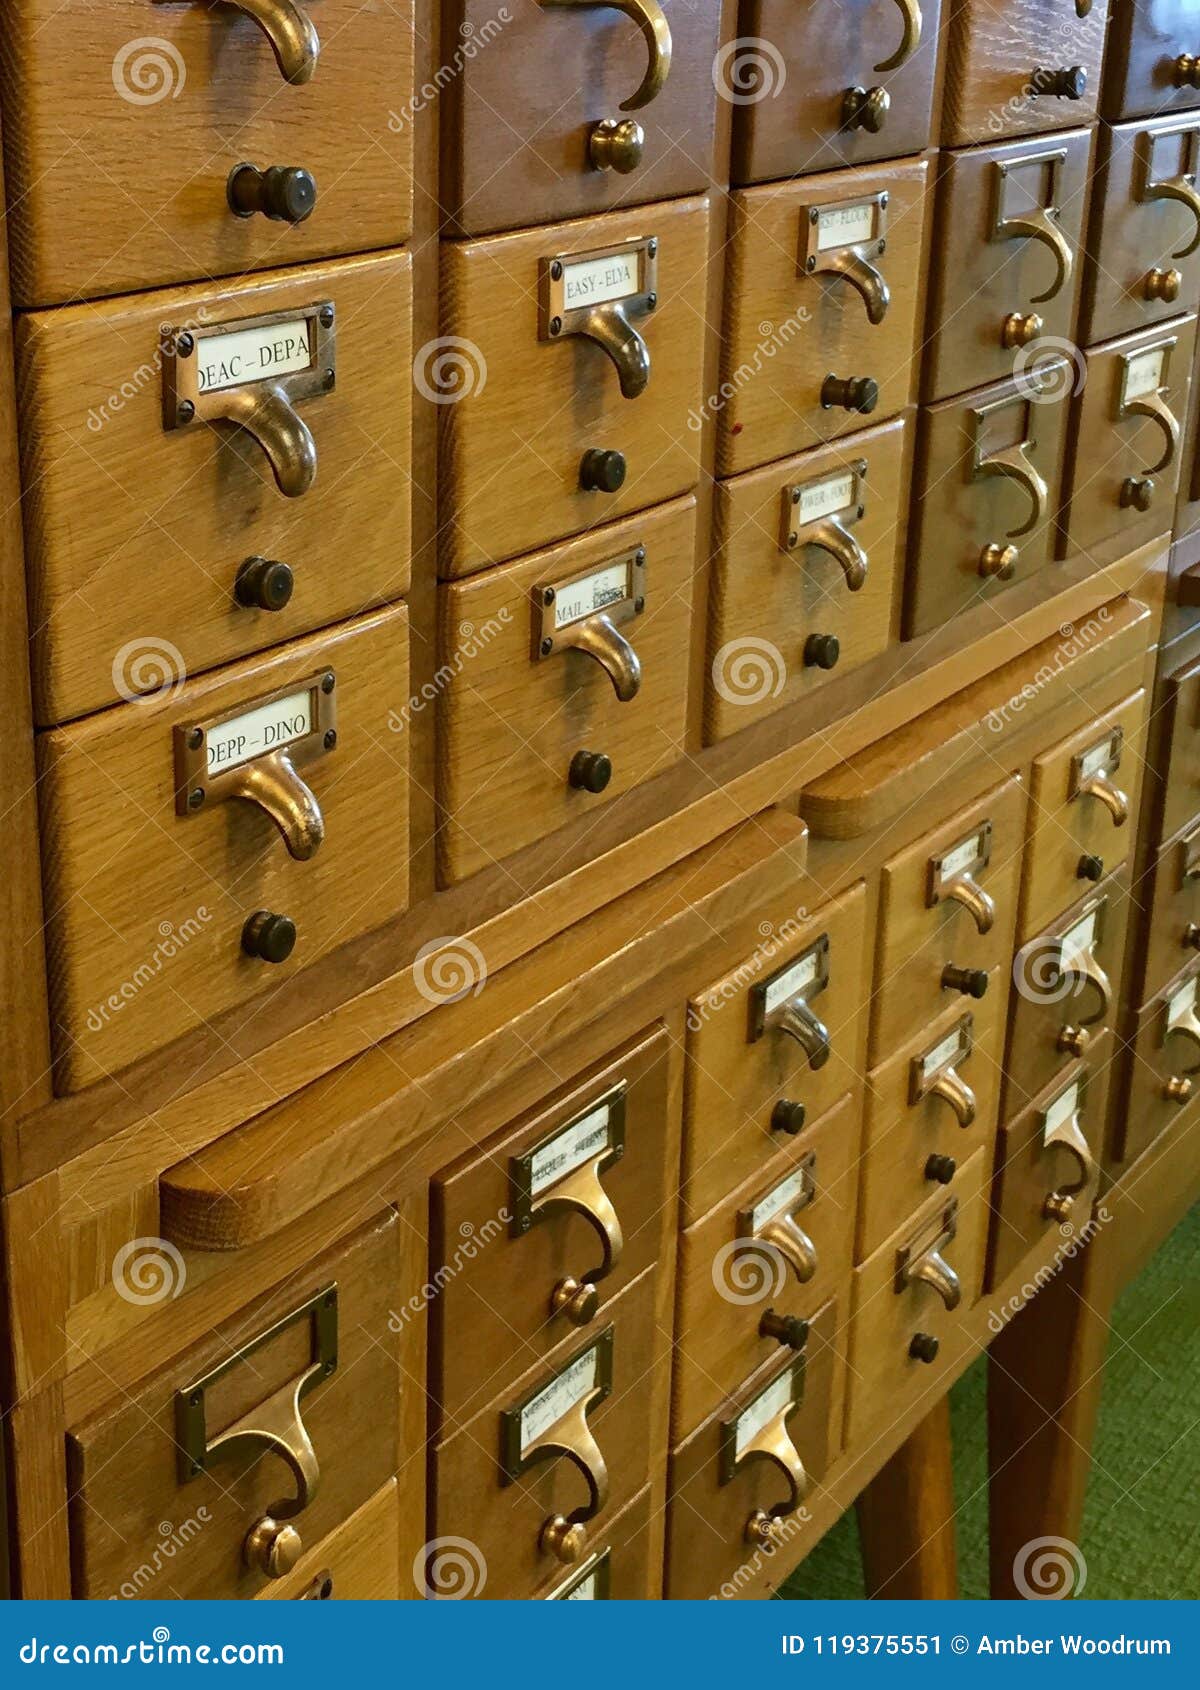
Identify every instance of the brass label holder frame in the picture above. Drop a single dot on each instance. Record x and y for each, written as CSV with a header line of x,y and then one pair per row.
x,y
1040,223
944,1080
779,1228
1010,463
851,259
729,1462
1181,188
597,1569
1189,849
1090,776
1182,1019
1150,404
607,321
568,1437
271,779
791,1013
595,632
830,529
1065,1132
922,1259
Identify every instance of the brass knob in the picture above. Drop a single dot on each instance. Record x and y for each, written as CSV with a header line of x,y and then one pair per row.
x,y
602,471
923,1347
1073,1041
1020,329
578,1301
762,1529
284,193
865,108
269,937
821,651
851,393
263,584
1191,937
590,771
1137,491
787,1329
1067,83
971,982
1185,72
940,1168
564,1539
998,562
788,1117
1177,1090
272,1548
616,144
1090,868
1162,284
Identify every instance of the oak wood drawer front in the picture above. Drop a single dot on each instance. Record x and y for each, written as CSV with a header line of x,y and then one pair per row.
x,y
1066,982
360,1560
1173,928
1144,246
757,1268
148,891
504,1482
1082,793
625,1566
820,326
536,1234
911,1302
1124,476
155,550
843,83
1181,778
1016,67
1165,1071
1148,63
154,106
618,375
728,1497
773,1045
947,909
1048,1167
131,1466
1010,223
928,1109
807,576
560,81
988,485
524,725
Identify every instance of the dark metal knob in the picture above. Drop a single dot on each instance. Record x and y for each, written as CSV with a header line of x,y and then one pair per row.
x,y
851,393
283,192
590,771
616,144
263,584
1185,72
602,472
924,1347
1137,491
1067,83
821,651
788,1117
940,1168
787,1329
270,937
971,982
865,108
1090,868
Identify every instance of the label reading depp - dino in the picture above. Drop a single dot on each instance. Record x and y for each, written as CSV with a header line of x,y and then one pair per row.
x,y
264,728
254,354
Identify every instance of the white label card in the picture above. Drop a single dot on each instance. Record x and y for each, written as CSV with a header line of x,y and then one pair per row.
x,y
590,594
750,1422
265,728
1143,373
962,857
1077,941
242,355
1063,1109
558,1398
1182,1002
951,1048
1099,759
823,498
845,225
569,1149
791,982
592,281
583,1591
785,1196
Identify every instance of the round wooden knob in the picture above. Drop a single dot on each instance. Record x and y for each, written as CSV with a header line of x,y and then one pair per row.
x,y
616,145
1020,328
821,651
590,771
923,1347
865,108
268,936
786,1329
850,393
263,584
577,1300
1162,284
602,471
788,1117
998,562
940,1168
566,1542
283,192
971,982
272,1548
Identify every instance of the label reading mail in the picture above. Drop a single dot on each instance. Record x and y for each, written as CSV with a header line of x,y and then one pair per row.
x,y
1064,1108
949,1050
750,1422
791,982
962,857
1077,941
558,1398
785,1196
845,225
242,355
592,593
823,498
1182,1002
592,281
1098,759
1143,374
265,728
569,1149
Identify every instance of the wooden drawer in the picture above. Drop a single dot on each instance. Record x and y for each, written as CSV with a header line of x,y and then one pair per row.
x,y
1010,222
149,891
1181,775
1164,1076
928,1109
799,323
190,1447
1048,1168
773,1045
1187,505
1124,477
930,917
1082,793
1147,65
141,537
757,1268
559,83
908,1331
626,1565
360,1560
1173,927
1146,216
987,489
535,739
737,1484
808,551
537,1232
572,1441
832,89
1067,982
146,110
618,378
1016,67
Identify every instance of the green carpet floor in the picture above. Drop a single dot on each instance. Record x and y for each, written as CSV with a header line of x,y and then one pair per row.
x,y
1141,1530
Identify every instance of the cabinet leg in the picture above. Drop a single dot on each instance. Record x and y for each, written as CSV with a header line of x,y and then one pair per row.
x,y
906,1517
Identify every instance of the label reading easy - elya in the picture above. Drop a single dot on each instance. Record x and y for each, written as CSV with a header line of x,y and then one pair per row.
x,y
776,1399
569,1149
559,1397
264,728
593,281
590,594
245,355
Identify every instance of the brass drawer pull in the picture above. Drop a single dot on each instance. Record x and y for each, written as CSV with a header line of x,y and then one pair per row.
x,y
841,545
910,13
954,1090
270,419
1088,971
656,33
934,1072
1036,223
922,1262
586,611
1155,408
822,511
291,32
1014,465
1100,787
1091,776
1066,1133
772,1220
1039,226
557,1429
932,1268
275,785
759,1433
1180,189
966,890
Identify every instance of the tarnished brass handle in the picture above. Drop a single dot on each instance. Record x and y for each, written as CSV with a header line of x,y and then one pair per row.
x,y
954,1090
786,1235
274,783
799,1023
932,1268
291,32
1189,1028
841,545
1183,193
276,1427
1151,405
967,891
1087,969
910,12
1114,800
1068,1135
864,278
269,415
582,1193
1014,465
1040,226
571,1438
656,32
774,1444
600,638
609,326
